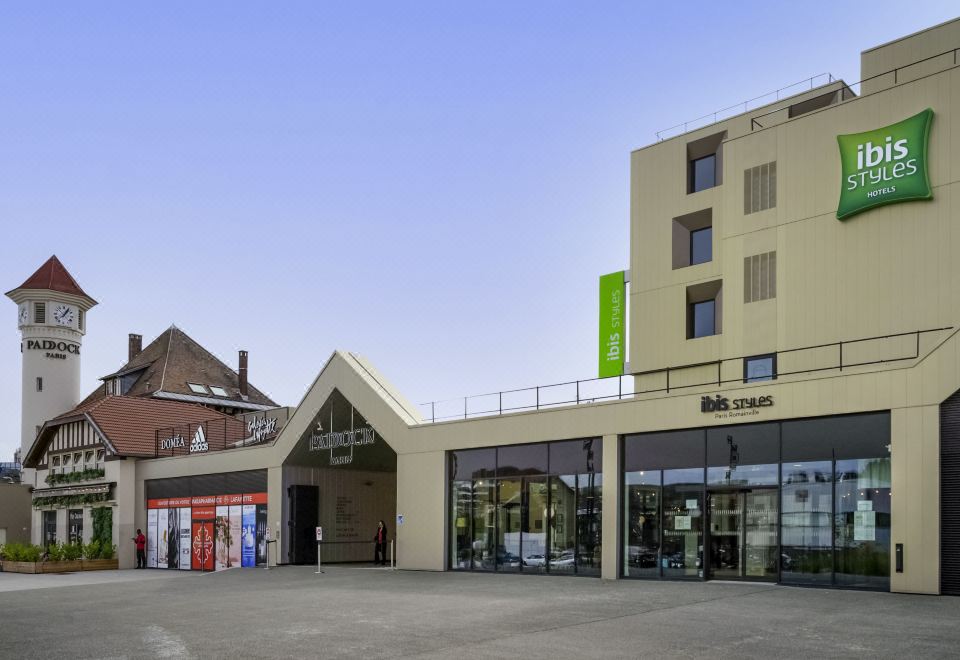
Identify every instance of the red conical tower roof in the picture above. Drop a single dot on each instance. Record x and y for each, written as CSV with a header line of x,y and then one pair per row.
x,y
53,276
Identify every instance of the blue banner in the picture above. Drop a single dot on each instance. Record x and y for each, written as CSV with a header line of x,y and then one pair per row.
x,y
248,550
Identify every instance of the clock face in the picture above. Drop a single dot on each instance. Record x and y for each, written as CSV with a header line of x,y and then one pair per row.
x,y
63,315
23,314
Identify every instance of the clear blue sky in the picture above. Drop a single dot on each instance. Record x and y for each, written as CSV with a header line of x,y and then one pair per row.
x,y
434,185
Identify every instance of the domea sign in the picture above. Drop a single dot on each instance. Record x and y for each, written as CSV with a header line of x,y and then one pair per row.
x,y
885,165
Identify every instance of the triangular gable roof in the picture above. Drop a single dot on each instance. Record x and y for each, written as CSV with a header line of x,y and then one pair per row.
x,y
53,276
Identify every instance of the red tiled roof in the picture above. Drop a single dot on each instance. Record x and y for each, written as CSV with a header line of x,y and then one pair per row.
x,y
130,423
53,276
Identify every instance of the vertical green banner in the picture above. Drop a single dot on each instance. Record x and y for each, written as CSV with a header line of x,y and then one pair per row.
x,y
613,340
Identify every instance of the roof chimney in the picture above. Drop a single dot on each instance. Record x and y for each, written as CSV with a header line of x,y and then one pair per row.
x,y
242,372
134,346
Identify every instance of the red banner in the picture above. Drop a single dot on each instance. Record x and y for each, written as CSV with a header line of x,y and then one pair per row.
x,y
207,500
204,512
202,546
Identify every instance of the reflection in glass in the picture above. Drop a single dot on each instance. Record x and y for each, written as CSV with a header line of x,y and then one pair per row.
x,y
589,524
509,523
484,529
461,537
862,523
682,552
805,524
563,537
642,510
533,529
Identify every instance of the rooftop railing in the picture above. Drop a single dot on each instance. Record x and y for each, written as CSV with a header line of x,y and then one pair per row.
x,y
834,356
896,76
744,106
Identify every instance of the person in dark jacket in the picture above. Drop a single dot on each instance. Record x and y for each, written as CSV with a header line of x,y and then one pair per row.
x,y
380,545
141,542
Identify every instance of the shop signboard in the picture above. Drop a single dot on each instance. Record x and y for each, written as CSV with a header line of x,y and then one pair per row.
x,y
612,324
885,165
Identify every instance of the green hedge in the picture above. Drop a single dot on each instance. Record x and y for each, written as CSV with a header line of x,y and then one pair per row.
x,y
103,525
73,477
57,551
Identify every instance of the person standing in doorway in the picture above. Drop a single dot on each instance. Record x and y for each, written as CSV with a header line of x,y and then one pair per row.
x,y
141,542
380,545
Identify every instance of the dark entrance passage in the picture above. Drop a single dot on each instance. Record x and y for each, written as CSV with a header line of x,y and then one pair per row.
x,y
304,514
743,534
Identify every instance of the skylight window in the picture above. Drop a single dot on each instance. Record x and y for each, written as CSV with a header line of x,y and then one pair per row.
x,y
198,389
219,391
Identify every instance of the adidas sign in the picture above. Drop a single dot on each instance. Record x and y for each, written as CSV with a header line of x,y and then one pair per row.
x,y
199,442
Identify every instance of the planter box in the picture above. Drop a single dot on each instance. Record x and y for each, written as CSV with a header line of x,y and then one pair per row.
x,y
20,567
60,566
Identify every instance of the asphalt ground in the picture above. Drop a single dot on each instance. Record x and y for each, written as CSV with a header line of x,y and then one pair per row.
x,y
352,612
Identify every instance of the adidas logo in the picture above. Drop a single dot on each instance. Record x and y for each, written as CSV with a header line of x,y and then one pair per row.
x,y
199,442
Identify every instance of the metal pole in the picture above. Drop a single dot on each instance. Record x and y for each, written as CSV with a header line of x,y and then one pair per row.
x,y
391,555
433,412
501,402
318,559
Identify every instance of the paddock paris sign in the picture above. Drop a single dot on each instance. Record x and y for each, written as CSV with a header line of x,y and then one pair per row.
x,y
885,166
612,324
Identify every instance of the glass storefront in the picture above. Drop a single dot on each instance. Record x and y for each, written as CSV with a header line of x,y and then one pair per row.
x,y
799,502
527,508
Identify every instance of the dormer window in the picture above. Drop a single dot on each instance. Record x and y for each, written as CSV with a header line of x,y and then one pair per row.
x,y
198,389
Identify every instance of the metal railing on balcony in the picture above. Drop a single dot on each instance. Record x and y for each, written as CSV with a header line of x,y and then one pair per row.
x,y
896,75
833,356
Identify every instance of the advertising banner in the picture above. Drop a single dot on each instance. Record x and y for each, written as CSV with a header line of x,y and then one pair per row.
x,y
221,533
162,537
202,546
885,165
612,324
173,538
249,536
236,525
262,536
152,538
185,539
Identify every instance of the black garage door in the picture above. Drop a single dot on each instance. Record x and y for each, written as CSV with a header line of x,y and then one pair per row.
x,y
950,495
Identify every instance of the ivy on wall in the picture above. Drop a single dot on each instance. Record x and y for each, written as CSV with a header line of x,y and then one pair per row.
x,y
73,477
69,500
102,525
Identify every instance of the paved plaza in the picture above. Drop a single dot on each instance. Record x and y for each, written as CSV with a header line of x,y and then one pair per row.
x,y
374,613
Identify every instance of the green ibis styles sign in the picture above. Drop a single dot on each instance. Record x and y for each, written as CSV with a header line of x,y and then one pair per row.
x,y
885,166
612,324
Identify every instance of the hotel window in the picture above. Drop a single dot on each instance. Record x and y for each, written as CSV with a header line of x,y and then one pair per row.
x,y
760,188
760,277
88,458
39,312
39,384
100,456
759,368
704,305
692,238
701,246
55,463
704,163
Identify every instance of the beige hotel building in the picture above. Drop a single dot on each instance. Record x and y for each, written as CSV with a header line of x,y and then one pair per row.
x,y
787,411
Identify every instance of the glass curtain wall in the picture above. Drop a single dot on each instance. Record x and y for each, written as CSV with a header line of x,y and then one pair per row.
x,y
802,502
527,508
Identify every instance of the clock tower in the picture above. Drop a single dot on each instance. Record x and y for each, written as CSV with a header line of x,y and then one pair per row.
x,y
51,315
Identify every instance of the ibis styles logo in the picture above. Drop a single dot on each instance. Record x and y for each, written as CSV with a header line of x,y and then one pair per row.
x,y
885,165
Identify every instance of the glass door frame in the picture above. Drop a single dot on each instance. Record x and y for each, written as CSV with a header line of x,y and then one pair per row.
x,y
741,492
